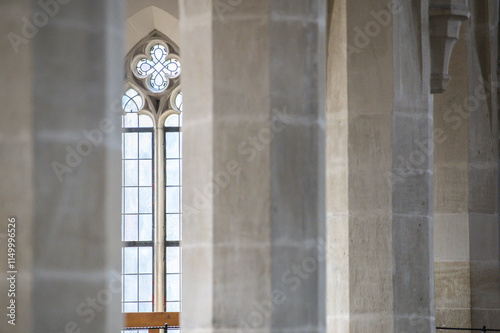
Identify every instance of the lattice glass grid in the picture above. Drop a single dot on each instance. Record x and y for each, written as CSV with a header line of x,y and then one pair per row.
x,y
134,120
173,209
137,221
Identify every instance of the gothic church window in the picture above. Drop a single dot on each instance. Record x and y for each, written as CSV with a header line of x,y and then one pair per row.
x,y
152,177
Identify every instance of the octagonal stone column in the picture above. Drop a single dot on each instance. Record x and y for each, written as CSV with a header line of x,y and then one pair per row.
x,y
61,88
253,165
379,164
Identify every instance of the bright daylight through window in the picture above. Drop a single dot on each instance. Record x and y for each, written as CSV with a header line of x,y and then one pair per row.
x,y
151,179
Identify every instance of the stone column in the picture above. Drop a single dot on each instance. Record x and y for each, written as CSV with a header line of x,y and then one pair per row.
x,y
466,170
451,218
63,88
379,162
483,190
253,168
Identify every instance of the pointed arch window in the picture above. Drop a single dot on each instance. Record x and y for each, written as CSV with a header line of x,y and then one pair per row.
x,y
152,180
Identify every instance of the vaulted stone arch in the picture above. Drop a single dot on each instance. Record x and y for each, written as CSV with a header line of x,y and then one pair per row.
x,y
146,19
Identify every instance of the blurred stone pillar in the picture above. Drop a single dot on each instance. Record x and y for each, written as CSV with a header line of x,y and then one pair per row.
x,y
379,163
16,164
61,93
253,168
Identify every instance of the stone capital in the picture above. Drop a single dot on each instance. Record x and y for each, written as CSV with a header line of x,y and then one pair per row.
x,y
445,18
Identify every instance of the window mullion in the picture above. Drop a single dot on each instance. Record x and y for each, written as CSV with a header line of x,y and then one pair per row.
x,y
159,219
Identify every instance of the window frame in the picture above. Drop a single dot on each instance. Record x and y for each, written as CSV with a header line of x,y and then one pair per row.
x,y
158,105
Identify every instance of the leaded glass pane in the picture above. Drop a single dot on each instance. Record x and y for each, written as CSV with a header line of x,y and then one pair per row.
x,y
173,307
130,260
173,259
129,307
130,288
131,172
130,120
145,200
145,260
173,287
145,283
145,173
131,199
145,227
173,168
130,228
173,227
158,69
172,145
130,145
173,121
173,200
146,307
145,121
145,145
132,101
178,101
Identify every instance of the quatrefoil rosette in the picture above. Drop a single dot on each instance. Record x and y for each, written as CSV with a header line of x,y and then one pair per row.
x,y
157,67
